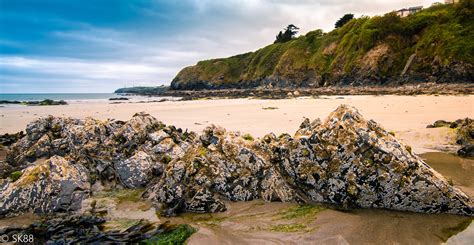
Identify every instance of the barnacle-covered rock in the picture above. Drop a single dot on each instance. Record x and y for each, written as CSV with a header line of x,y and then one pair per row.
x,y
219,164
53,185
346,160
353,162
136,171
101,146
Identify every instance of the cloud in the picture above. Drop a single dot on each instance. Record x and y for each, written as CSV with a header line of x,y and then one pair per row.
x,y
103,46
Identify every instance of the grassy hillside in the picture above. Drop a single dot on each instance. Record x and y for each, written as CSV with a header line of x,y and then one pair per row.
x,y
364,51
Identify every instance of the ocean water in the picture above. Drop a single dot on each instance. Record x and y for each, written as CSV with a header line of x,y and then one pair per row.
x,y
62,96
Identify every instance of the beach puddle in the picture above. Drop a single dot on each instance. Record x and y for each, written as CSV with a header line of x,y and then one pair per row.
x,y
458,170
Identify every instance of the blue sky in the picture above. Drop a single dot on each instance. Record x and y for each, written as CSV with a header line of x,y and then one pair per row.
x,y
98,46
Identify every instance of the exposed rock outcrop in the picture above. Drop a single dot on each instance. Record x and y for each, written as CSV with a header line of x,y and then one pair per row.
x,y
464,134
53,185
345,160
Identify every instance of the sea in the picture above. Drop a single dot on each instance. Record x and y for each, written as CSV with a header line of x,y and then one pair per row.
x,y
73,98
59,96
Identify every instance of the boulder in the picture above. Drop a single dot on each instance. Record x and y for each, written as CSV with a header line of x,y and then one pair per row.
x,y
53,185
353,162
346,161
136,171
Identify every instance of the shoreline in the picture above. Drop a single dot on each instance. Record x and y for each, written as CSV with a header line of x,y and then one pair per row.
x,y
284,93
406,116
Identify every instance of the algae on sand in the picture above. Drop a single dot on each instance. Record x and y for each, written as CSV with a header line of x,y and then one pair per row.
x,y
289,228
302,210
178,235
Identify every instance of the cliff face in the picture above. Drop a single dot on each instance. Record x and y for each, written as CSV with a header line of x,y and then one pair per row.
x,y
365,51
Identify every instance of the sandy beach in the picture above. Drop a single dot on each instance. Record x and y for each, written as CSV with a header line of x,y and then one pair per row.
x,y
407,116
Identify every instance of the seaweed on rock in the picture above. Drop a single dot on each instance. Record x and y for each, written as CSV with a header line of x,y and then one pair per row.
x,y
344,160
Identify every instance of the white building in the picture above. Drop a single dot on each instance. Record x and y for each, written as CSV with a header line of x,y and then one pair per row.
x,y
451,1
404,12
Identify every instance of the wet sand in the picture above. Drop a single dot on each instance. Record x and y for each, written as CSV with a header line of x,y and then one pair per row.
x,y
407,116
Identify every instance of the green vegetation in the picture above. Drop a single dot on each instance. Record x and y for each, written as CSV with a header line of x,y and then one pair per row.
x,y
166,159
381,44
288,35
301,211
202,151
178,235
288,228
248,137
343,20
15,175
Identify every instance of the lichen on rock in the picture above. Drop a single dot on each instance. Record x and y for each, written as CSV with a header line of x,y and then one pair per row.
x,y
53,185
344,160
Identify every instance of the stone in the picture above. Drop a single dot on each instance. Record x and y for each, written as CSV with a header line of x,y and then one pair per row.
x,y
136,171
345,160
53,185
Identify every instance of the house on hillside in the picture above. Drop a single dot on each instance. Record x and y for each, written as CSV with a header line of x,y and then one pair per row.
x,y
404,12
451,1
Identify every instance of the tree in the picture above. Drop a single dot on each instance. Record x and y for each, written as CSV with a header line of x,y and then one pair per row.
x,y
344,19
289,33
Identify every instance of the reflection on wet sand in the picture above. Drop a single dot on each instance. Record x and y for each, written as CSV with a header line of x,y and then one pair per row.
x,y
456,169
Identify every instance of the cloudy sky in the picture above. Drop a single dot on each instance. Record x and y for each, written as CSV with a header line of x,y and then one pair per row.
x,y
97,46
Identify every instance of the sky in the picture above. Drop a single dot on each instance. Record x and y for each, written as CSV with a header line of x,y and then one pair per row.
x,y
94,46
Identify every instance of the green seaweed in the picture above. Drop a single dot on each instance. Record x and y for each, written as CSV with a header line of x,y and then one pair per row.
x,y
288,228
300,211
166,159
178,235
248,137
14,176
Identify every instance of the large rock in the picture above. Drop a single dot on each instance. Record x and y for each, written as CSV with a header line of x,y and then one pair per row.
x,y
53,185
101,146
136,171
345,160
353,162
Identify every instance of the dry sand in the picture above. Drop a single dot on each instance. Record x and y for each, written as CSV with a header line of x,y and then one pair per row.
x,y
407,116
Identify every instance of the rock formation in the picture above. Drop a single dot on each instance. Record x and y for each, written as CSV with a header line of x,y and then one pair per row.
x,y
464,129
52,185
345,160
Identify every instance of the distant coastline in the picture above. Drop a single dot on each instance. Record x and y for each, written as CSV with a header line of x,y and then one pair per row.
x,y
55,96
